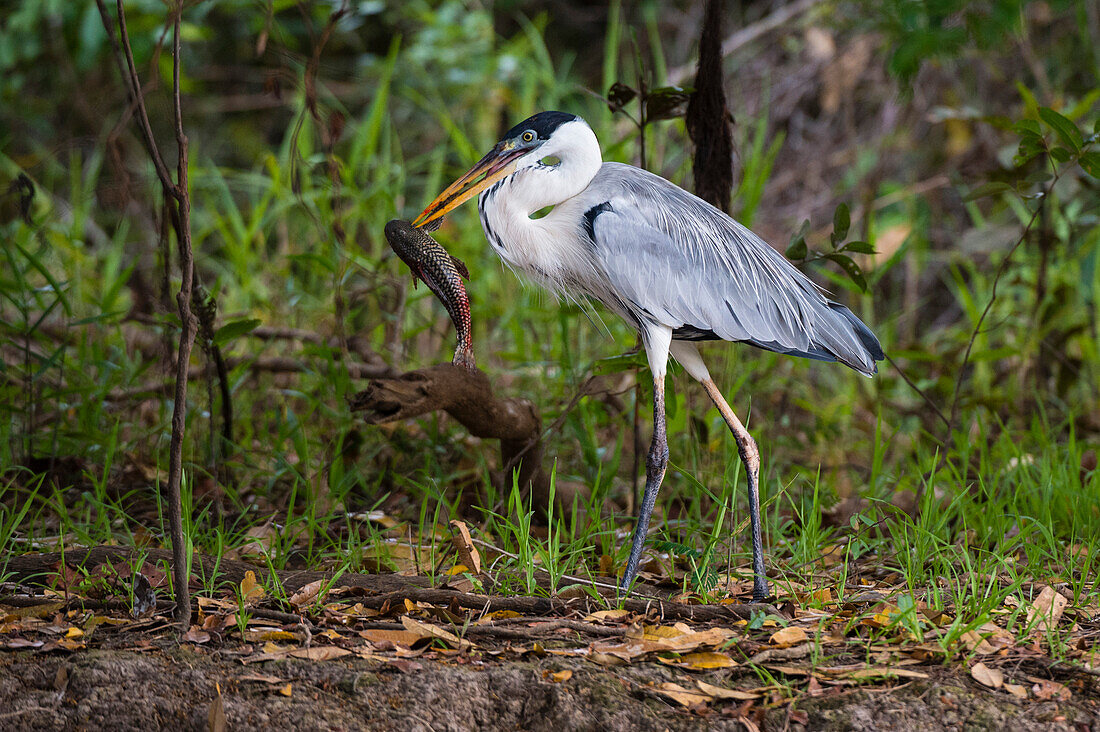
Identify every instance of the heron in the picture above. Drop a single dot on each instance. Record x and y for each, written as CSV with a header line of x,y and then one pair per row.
x,y
679,270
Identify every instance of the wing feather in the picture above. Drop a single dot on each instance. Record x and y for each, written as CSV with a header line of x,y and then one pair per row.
x,y
676,260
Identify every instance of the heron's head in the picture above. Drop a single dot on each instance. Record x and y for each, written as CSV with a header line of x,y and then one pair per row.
x,y
543,140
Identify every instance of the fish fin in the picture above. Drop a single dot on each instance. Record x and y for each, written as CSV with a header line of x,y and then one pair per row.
x,y
460,266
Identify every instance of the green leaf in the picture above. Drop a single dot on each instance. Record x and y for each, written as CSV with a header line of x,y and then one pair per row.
x,y
1090,163
1025,126
622,362
991,188
1060,154
796,250
1063,126
234,329
855,274
842,220
859,247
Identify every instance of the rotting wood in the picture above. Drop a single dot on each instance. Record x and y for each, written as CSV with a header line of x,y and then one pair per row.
x,y
468,397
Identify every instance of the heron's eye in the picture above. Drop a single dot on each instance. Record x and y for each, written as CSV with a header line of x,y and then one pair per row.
x,y
528,136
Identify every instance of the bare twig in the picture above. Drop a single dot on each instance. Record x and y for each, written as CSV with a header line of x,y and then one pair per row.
x,y
187,340
177,193
954,411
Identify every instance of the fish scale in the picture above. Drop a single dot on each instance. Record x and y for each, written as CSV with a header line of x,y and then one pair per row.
x,y
442,273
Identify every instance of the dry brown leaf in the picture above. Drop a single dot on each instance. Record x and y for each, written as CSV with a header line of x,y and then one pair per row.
x,y
788,636
707,659
1046,610
319,653
287,690
308,595
976,643
251,590
196,635
260,635
990,677
788,670
215,718
1045,689
391,637
606,659
1020,692
719,692
878,672
561,676
602,616
426,630
464,546
682,696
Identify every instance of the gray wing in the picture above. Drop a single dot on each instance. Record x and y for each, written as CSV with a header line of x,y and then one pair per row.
x,y
677,261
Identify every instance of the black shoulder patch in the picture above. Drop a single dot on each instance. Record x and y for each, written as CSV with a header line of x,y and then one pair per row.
x,y
590,219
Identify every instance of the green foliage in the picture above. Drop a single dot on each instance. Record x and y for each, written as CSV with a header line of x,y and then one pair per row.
x,y
288,207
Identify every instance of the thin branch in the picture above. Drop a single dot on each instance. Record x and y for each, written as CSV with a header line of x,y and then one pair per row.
x,y
914,387
133,87
954,411
188,328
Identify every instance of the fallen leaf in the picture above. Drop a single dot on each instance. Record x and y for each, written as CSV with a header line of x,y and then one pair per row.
x,y
196,635
215,718
319,653
606,659
1046,610
425,630
706,660
788,636
1020,692
880,672
251,591
258,635
464,546
990,677
561,676
719,692
74,633
1044,690
391,637
145,597
287,690
307,595
605,615
682,696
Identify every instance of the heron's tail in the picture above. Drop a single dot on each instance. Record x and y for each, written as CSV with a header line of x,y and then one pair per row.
x,y
850,341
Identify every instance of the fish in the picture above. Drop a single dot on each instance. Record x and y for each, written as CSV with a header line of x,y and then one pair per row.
x,y
442,273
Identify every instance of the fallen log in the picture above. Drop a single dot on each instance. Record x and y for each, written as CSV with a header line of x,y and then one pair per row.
x,y
468,397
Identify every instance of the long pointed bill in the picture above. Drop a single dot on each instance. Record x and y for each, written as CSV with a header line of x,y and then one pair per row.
x,y
497,164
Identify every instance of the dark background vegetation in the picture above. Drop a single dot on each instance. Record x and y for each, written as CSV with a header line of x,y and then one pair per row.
x,y
959,135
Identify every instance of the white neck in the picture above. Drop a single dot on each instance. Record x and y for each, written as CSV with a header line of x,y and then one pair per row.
x,y
547,248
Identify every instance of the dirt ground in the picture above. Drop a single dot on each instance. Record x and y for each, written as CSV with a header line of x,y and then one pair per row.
x,y
173,686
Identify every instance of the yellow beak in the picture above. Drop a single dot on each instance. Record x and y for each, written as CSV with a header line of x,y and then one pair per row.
x,y
499,163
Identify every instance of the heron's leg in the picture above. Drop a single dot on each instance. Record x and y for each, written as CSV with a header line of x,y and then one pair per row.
x,y
750,456
657,343
688,356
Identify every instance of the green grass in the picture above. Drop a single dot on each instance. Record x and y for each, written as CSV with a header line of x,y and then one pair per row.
x,y
1004,505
